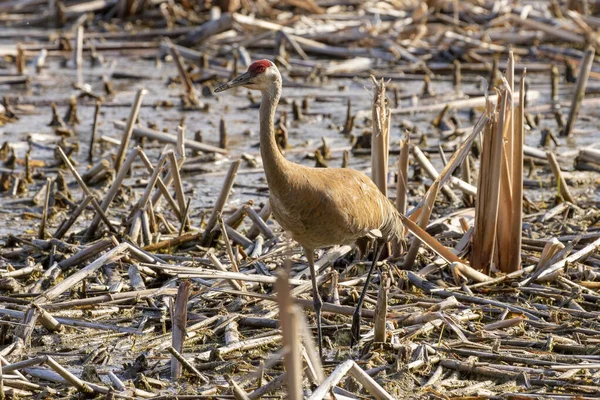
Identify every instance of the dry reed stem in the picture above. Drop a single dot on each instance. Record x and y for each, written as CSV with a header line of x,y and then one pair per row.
x,y
78,54
141,206
66,225
559,265
85,189
455,161
516,224
381,310
309,350
133,115
550,250
563,188
422,222
236,284
163,137
505,207
432,173
186,82
471,273
42,230
579,93
357,373
265,214
114,189
208,235
232,259
401,186
69,377
238,392
186,364
178,326
380,137
260,224
162,186
430,241
94,131
488,190
178,185
336,376
290,328
78,276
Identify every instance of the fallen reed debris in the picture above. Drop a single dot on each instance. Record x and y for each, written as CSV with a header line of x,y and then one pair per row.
x,y
147,265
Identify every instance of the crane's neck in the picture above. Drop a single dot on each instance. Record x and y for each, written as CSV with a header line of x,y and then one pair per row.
x,y
274,162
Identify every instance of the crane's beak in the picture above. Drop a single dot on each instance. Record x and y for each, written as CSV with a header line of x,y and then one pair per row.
x,y
241,80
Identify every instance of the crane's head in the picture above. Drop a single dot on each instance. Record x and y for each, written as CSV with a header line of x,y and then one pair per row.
x,y
261,75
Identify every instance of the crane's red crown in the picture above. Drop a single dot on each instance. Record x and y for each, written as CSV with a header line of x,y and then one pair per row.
x,y
260,66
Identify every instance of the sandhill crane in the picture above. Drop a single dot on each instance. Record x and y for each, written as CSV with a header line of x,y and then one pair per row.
x,y
318,206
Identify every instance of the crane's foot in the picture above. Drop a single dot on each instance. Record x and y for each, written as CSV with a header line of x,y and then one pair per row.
x,y
318,304
355,330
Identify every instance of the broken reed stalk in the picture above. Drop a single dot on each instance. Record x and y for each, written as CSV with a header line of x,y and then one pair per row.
x,y
133,115
423,220
86,190
259,223
290,328
69,377
66,284
379,321
187,365
179,324
380,138
186,81
488,190
432,173
161,185
238,392
455,161
350,367
401,187
64,227
94,131
140,131
236,285
579,94
264,214
114,190
42,231
232,259
178,185
563,188
516,225
141,207
208,235
503,232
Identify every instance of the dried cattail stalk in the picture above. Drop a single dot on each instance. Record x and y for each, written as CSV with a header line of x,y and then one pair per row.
x,y
488,190
381,115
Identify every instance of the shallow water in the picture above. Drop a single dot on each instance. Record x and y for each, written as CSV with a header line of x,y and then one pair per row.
x,y
322,120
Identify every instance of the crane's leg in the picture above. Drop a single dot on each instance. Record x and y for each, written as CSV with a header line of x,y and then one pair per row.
x,y
358,312
317,302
